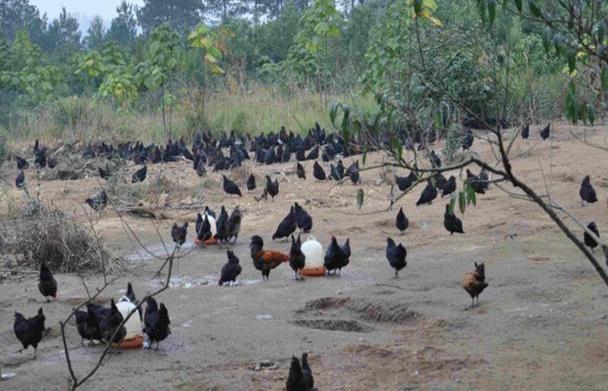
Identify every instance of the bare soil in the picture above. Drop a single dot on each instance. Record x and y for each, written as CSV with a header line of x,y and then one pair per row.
x,y
541,323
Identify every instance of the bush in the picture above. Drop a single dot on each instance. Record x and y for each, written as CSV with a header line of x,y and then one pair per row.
x,y
73,112
40,235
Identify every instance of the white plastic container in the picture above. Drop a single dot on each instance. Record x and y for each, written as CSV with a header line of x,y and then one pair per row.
x,y
133,325
212,224
313,250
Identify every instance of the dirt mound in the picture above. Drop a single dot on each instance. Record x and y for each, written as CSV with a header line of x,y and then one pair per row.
x,y
380,311
334,325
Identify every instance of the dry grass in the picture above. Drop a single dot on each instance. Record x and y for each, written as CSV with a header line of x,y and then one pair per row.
x,y
259,108
40,235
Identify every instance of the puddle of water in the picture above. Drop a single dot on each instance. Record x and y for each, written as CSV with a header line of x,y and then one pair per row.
x,y
157,250
188,282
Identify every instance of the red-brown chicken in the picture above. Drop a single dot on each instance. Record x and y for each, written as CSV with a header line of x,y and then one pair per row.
x,y
265,260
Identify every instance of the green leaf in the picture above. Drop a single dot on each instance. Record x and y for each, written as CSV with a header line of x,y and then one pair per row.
x,y
462,201
333,111
471,195
360,196
452,203
345,119
491,11
518,5
604,77
534,9
572,103
571,60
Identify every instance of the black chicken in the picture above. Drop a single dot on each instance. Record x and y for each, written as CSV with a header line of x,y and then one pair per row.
x,y
303,219
204,233
449,187
396,255
29,331
51,162
231,270
233,225
156,322
22,164
476,183
178,234
40,158
589,241
104,173
140,175
221,223
404,183
297,259
337,257
452,223
92,322
428,194
295,379
300,171
287,226
401,222
200,168
272,188
525,132
309,381
333,173
109,321
318,172
20,180
98,202
435,160
251,182
353,173
81,326
587,192
46,283
467,140
131,296
230,187
546,132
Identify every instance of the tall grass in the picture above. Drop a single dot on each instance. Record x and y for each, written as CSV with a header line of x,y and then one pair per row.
x,y
261,108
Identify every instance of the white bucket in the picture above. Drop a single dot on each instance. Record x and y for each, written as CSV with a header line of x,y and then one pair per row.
x,y
313,250
212,224
133,325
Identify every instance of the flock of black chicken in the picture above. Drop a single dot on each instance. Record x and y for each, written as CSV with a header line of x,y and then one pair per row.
x,y
98,323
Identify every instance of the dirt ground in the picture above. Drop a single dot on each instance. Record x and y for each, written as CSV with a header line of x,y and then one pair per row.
x,y
541,323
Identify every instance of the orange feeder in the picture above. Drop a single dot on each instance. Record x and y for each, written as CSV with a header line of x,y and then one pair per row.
x,y
132,343
208,242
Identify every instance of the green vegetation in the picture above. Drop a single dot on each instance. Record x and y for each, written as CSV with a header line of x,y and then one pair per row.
x,y
159,71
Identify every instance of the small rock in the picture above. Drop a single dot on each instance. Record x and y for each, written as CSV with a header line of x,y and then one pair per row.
x,y
264,364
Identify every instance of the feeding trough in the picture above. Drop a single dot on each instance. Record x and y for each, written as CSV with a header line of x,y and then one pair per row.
x,y
313,251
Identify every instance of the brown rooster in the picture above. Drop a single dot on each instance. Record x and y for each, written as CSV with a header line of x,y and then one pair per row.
x,y
265,260
475,282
